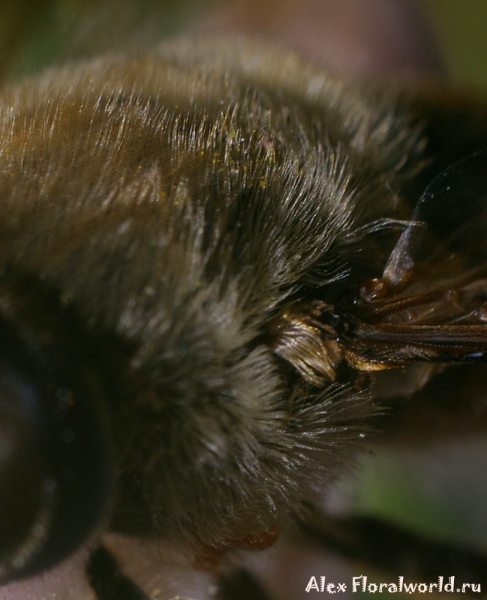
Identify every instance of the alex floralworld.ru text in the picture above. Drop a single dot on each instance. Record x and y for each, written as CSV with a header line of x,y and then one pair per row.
x,y
361,584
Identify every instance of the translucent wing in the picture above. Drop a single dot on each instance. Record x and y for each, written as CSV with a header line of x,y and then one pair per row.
x,y
448,226
431,302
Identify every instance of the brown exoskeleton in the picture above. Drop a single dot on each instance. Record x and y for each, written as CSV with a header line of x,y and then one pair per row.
x,y
211,253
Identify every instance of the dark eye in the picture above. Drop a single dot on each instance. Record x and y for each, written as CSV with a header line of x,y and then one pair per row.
x,y
54,458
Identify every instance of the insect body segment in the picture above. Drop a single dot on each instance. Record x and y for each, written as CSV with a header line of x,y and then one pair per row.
x,y
220,249
193,208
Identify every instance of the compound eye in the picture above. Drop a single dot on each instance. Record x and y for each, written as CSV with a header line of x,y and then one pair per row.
x,y
54,456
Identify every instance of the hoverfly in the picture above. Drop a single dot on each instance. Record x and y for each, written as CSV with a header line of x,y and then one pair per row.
x,y
212,256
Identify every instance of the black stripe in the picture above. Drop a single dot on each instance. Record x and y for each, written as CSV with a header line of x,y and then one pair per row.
x,y
108,581
240,585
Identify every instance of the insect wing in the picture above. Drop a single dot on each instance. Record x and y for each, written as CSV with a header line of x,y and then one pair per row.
x,y
431,302
448,224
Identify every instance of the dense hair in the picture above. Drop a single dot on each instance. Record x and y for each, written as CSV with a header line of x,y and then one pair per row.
x,y
178,203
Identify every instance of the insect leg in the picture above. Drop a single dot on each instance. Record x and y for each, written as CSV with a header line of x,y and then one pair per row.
x,y
240,585
108,581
